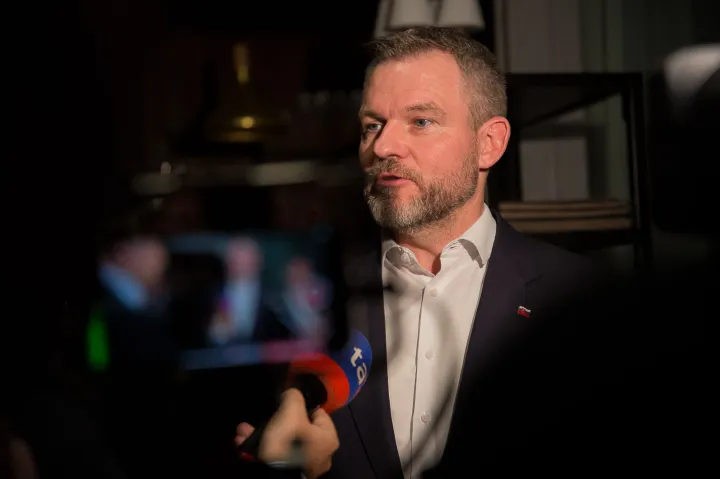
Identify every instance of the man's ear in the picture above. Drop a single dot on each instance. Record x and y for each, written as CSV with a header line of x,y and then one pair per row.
x,y
492,140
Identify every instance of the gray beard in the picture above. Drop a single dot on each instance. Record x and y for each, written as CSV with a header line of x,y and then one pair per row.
x,y
434,204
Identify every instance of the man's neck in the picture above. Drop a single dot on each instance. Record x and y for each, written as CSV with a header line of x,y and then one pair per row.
x,y
243,282
427,243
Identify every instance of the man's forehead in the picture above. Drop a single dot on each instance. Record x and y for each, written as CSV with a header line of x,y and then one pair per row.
x,y
431,66
432,78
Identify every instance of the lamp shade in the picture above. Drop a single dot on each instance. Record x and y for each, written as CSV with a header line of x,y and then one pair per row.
x,y
410,13
461,14
688,69
381,23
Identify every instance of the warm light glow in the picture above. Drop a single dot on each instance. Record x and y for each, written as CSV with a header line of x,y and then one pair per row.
x,y
245,122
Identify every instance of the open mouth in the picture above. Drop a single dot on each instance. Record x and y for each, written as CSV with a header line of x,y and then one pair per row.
x,y
389,179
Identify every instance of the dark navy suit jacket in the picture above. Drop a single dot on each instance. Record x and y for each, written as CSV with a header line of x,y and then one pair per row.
x,y
526,385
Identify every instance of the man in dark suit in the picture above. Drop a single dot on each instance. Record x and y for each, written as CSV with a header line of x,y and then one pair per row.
x,y
135,368
244,311
131,274
468,365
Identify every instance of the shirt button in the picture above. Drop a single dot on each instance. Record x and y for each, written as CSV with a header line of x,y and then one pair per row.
x,y
429,354
433,292
425,417
405,258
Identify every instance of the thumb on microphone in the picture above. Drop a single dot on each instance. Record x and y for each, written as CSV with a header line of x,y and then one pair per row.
x,y
290,424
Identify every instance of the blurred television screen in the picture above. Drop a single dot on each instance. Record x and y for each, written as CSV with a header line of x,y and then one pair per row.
x,y
213,285
251,297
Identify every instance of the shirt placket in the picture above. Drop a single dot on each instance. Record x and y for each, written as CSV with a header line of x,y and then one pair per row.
x,y
425,410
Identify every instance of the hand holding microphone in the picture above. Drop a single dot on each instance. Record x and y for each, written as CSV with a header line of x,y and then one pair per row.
x,y
290,424
318,385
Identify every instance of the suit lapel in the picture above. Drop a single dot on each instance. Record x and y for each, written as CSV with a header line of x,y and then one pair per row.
x,y
496,324
371,408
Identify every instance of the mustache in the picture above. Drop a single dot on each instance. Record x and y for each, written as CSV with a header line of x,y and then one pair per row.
x,y
390,167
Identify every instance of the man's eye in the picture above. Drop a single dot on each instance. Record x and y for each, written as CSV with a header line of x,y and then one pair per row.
x,y
422,122
371,127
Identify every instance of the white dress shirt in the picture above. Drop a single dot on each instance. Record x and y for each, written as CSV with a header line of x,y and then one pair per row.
x,y
306,306
242,302
428,321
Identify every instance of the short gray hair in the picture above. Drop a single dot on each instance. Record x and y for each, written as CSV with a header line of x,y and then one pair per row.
x,y
485,83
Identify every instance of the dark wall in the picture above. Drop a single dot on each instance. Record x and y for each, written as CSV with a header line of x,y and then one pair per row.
x,y
58,161
320,16
339,30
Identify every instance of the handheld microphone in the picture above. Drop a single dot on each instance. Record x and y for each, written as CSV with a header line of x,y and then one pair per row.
x,y
325,381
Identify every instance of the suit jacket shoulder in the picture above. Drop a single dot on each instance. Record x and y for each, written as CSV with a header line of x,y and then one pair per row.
x,y
561,274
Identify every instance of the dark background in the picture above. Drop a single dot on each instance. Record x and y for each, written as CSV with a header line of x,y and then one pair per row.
x,y
87,101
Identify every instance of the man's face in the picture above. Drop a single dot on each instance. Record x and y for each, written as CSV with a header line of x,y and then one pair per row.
x,y
146,259
299,272
243,259
418,149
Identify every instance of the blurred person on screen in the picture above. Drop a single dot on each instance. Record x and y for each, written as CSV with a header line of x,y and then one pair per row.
x,y
129,349
305,299
243,313
131,275
133,272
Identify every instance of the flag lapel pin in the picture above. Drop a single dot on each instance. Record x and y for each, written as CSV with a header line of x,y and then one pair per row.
x,y
523,311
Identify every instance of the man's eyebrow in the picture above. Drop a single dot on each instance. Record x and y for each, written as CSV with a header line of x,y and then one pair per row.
x,y
426,107
368,113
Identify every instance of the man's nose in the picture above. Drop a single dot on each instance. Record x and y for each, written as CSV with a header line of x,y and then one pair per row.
x,y
390,142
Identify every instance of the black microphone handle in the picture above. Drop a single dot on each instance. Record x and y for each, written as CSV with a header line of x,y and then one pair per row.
x,y
315,395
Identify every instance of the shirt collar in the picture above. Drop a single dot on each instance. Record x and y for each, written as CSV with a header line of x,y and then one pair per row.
x,y
128,290
477,240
